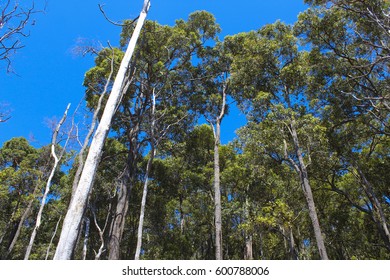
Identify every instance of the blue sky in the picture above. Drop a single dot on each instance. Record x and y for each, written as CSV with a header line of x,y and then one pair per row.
x,y
49,75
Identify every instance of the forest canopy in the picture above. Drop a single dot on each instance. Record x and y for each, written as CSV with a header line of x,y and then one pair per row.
x,y
307,177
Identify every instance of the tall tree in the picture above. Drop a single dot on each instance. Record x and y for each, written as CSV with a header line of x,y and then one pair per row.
x,y
350,83
278,91
77,207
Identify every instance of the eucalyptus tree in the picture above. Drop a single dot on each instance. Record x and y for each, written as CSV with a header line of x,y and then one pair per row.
x,y
211,87
155,102
349,80
269,75
74,215
17,189
23,173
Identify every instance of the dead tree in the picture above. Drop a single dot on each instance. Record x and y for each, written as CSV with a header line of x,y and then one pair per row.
x,y
14,20
78,203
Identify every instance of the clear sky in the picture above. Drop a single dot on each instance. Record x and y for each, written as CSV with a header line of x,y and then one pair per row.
x,y
49,75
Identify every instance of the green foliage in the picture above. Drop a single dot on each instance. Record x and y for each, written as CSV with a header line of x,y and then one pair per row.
x,y
316,98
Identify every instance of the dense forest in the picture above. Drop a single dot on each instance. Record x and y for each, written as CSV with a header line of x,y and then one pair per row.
x,y
307,177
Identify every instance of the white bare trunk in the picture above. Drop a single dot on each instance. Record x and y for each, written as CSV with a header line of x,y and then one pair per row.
x,y
143,205
52,238
145,191
77,206
48,183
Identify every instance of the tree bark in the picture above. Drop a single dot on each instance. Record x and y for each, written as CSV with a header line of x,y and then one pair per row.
x,y
78,203
123,196
118,222
217,194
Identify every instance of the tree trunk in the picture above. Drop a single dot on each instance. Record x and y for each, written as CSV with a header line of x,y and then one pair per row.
x,y
52,238
123,196
118,221
217,178
217,194
86,238
153,143
248,254
78,203
143,205
378,213
293,251
304,178
48,183
21,222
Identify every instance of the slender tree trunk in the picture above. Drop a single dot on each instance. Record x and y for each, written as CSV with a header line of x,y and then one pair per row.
x,y
21,222
248,254
248,247
48,183
153,144
261,249
143,205
217,179
52,238
9,223
293,251
86,238
79,200
378,213
304,178
217,194
101,231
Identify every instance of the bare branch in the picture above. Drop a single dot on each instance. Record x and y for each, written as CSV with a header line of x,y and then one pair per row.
x,y
14,20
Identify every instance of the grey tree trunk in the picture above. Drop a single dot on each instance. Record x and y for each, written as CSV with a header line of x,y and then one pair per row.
x,y
78,203
304,178
248,254
217,179
217,194
143,205
48,183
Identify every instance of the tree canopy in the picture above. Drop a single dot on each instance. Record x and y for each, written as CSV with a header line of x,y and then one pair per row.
x,y
305,178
